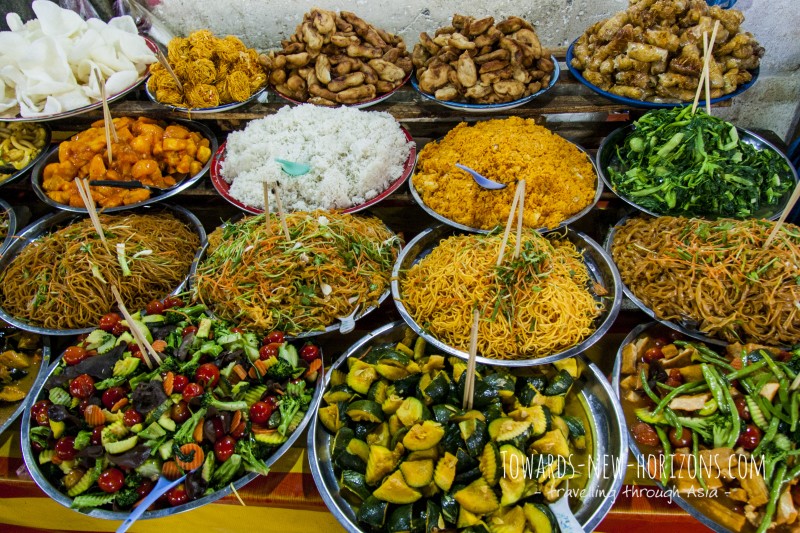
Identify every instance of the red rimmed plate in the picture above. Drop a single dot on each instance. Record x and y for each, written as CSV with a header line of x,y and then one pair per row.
x,y
359,105
223,187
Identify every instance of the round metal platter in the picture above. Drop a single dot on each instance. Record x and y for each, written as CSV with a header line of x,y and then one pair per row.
x,y
223,187
24,170
682,327
599,265
441,218
11,217
9,413
490,108
52,157
606,155
32,464
643,104
609,438
641,459
55,221
205,110
331,328
359,105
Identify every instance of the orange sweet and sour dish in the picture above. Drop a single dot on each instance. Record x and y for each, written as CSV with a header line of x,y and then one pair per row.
x,y
150,151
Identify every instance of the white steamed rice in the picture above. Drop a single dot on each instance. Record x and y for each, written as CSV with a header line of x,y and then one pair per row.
x,y
354,156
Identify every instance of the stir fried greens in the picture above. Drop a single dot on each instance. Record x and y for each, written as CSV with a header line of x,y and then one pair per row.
x,y
677,163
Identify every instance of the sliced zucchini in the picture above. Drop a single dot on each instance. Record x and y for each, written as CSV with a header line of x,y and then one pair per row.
x,y
354,484
349,461
392,403
392,372
468,476
553,442
423,436
329,416
418,474
395,425
575,426
559,384
445,471
554,403
433,362
541,419
410,411
340,441
365,411
337,377
570,365
361,376
402,520
450,508
377,391
394,489
512,483
339,393
373,512
437,389
466,519
473,431
507,520
359,448
408,386
491,464
477,497
380,435
501,383
434,521
431,453
540,519
493,411
380,463
507,429
443,412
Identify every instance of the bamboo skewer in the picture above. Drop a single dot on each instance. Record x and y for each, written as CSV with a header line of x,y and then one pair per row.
x,y
519,218
267,220
782,219
704,74
144,346
281,213
108,124
86,195
164,63
520,186
469,382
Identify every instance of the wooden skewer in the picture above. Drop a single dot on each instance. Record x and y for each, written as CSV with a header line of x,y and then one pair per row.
x,y
709,57
164,63
267,220
700,84
111,131
782,219
519,218
281,213
508,224
706,72
86,195
469,382
141,341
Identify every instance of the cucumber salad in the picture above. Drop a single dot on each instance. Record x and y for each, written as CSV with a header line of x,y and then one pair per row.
x,y
215,403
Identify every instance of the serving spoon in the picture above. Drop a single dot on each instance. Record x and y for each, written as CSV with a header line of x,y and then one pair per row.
x,y
292,168
566,519
348,322
131,184
163,485
486,183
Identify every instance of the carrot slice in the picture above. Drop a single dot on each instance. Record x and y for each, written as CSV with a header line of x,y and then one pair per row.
x,y
198,431
193,456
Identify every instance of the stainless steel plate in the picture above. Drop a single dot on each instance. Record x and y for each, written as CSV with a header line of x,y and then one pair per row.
x,y
201,254
32,463
441,218
54,221
48,134
609,437
52,157
607,152
601,270
8,413
11,216
205,110
682,327
641,459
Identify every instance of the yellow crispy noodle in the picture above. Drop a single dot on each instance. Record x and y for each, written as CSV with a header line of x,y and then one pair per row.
x,y
213,71
559,178
530,308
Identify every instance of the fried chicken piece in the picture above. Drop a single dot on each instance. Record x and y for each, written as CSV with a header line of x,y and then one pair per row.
x,y
633,78
689,63
662,39
637,93
610,27
673,79
730,19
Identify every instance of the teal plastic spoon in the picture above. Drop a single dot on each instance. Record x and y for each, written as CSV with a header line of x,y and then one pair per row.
x,y
292,168
480,180
162,486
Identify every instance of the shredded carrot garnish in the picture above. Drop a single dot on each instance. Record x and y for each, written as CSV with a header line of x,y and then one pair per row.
x,y
119,405
314,367
237,417
252,373
240,371
260,367
198,431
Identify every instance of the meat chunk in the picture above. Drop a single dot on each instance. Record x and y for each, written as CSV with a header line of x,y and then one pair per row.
x,y
690,403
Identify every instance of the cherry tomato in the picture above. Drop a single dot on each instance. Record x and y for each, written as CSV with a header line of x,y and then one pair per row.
x,y
660,342
274,336
82,386
131,417
644,434
238,431
191,390
237,330
111,480
653,354
207,375
36,447
108,321
144,488
180,412
154,308
177,496
219,428
675,378
796,495
268,351
680,440
97,436
65,448
749,438
260,412
309,352
172,301
112,395
119,328
83,405
188,329
39,412
74,355
180,383
741,407
224,448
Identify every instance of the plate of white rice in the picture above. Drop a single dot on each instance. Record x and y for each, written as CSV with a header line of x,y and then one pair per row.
x,y
357,158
